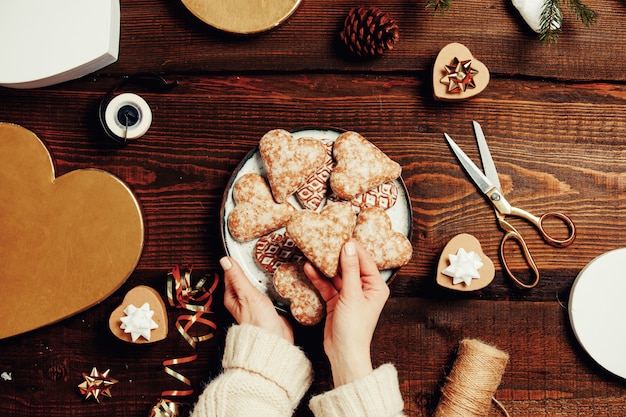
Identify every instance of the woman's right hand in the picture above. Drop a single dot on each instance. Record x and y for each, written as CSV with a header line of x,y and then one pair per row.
x,y
354,301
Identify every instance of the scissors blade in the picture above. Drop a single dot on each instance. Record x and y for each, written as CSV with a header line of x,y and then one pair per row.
x,y
483,183
485,155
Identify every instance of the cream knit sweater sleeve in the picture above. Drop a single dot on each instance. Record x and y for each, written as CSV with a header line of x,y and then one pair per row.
x,y
264,375
376,395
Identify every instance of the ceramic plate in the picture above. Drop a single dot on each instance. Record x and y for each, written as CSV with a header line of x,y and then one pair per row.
x,y
597,308
243,253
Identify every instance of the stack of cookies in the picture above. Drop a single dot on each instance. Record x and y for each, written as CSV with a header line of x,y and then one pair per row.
x,y
343,188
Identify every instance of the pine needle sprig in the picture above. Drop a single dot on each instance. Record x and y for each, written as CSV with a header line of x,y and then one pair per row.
x,y
438,5
552,18
582,12
550,21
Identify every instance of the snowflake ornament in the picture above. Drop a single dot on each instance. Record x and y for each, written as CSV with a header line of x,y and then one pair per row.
x,y
463,267
138,321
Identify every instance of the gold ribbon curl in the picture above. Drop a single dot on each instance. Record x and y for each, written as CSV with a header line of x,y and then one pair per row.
x,y
197,299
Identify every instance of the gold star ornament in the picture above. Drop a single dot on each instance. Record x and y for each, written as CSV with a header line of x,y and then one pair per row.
x,y
459,76
97,384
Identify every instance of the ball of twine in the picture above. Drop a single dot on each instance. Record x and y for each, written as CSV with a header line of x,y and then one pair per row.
x,y
473,380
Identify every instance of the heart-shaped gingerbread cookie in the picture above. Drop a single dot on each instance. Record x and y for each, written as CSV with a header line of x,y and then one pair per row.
x,y
67,243
360,166
470,265
305,302
457,75
289,161
128,322
389,249
320,236
256,213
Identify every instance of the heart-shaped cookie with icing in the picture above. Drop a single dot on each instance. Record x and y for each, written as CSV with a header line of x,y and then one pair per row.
x,y
389,249
67,243
463,260
457,75
305,302
320,236
288,161
360,166
132,320
256,213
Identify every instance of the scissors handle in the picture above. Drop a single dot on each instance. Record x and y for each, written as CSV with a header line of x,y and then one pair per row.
x,y
513,234
558,243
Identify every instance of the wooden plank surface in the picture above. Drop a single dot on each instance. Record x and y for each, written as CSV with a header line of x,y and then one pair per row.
x,y
205,126
555,120
308,41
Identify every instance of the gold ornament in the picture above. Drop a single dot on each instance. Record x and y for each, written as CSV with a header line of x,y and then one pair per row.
x,y
459,76
97,384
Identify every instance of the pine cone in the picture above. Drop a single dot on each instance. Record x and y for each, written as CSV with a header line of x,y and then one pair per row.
x,y
369,31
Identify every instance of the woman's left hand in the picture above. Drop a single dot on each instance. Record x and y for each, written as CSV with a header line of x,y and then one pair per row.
x,y
248,305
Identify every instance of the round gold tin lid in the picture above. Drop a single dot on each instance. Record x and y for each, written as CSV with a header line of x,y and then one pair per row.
x,y
242,16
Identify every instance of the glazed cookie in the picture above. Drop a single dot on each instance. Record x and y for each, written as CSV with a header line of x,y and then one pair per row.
x,y
384,196
360,166
275,249
312,193
320,236
305,303
256,213
388,248
289,161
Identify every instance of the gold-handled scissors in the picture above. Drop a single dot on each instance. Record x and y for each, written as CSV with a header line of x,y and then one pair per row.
x,y
489,184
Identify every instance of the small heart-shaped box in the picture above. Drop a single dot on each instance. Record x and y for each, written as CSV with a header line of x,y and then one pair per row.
x,y
457,75
470,244
139,296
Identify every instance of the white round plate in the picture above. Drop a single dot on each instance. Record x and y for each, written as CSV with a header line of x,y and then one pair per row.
x,y
400,215
597,310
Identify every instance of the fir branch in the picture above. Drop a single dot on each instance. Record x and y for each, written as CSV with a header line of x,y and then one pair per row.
x,y
438,5
582,12
550,21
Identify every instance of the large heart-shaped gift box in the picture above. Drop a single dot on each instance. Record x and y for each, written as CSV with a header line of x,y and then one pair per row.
x,y
66,243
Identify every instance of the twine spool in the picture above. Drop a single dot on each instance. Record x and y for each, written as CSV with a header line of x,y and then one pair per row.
x,y
473,380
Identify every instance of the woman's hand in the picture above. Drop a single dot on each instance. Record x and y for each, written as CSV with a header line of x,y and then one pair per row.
x,y
354,301
248,305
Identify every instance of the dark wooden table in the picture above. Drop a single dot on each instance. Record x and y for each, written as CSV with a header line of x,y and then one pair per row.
x,y
555,117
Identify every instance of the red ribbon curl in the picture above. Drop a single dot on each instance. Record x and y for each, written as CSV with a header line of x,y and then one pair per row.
x,y
197,299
